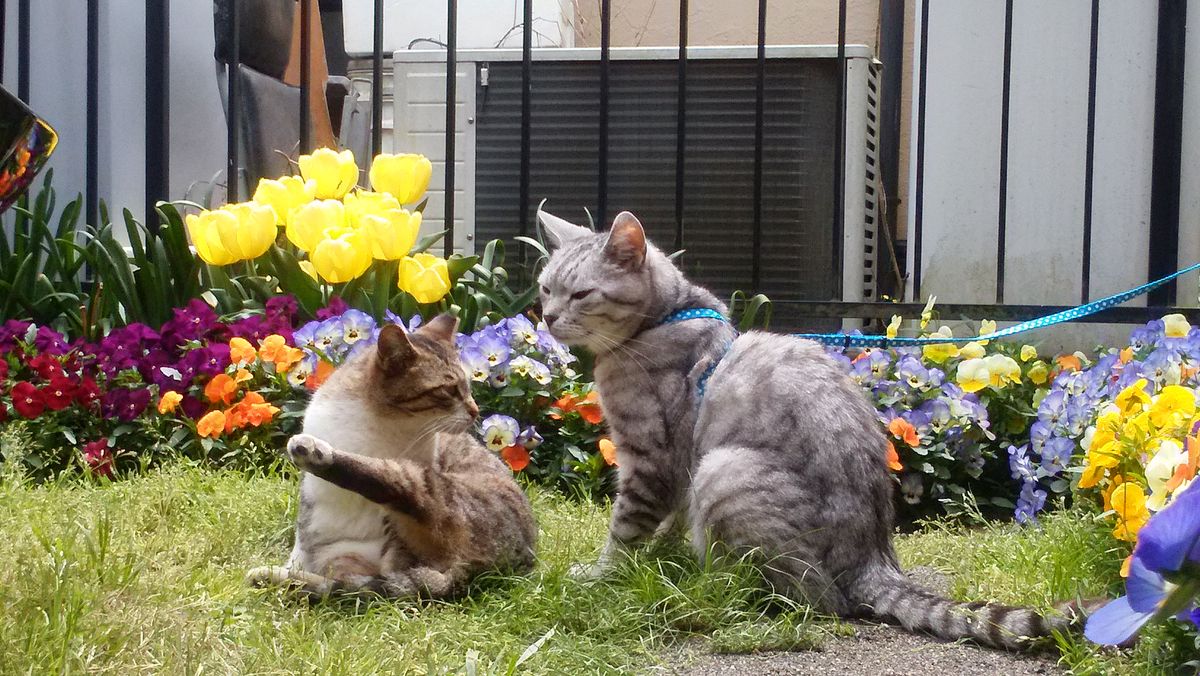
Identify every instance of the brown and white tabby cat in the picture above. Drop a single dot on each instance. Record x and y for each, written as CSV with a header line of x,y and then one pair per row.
x,y
397,498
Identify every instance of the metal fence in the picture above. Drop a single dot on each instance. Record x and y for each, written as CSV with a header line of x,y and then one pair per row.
x,y
1167,143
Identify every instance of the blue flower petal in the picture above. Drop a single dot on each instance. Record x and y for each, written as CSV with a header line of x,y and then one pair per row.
x,y
1115,623
1146,588
1172,535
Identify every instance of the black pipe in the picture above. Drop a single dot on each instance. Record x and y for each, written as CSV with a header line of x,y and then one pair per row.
x,y
451,104
23,21
1090,158
839,160
681,123
919,179
891,52
377,83
1002,210
158,108
91,191
233,117
759,96
526,129
305,84
605,38
1168,147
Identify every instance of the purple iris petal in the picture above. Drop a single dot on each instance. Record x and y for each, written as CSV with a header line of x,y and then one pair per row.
x,y
1115,623
1172,535
1145,588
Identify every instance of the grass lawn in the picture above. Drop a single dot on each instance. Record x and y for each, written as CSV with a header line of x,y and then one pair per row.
x,y
145,575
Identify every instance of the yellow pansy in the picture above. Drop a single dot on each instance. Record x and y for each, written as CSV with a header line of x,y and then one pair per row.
x,y
1002,370
362,203
1133,399
927,312
973,375
972,350
334,173
404,176
939,353
1176,326
424,276
342,256
289,192
392,234
1129,502
893,327
1039,372
1138,426
1172,406
234,233
1028,352
986,327
306,226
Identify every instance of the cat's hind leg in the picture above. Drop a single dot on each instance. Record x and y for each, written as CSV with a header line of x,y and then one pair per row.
x,y
310,584
741,503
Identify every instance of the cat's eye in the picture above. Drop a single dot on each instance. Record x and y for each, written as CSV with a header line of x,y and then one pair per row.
x,y
545,290
580,295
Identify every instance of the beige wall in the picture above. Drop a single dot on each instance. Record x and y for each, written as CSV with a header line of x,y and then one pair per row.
x,y
655,23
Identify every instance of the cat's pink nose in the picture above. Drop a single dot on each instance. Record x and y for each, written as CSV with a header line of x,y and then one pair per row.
x,y
472,409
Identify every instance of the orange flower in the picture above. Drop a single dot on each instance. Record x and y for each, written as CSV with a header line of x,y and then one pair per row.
x,y
608,450
241,376
320,375
893,458
565,403
252,410
1126,355
169,402
276,350
211,425
516,456
241,352
221,389
1186,470
904,431
589,408
1069,362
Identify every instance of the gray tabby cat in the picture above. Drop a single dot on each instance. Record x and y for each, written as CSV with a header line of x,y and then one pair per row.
x,y
782,454
397,498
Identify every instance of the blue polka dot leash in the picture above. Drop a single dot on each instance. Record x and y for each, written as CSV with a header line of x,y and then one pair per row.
x,y
852,340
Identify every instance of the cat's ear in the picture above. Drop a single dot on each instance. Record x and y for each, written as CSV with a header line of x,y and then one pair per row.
x,y
560,232
442,327
626,245
396,351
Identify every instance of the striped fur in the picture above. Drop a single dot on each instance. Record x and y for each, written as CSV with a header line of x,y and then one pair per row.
x,y
396,497
783,458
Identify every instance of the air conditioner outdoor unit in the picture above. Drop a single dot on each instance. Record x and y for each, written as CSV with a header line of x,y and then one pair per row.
x,y
800,122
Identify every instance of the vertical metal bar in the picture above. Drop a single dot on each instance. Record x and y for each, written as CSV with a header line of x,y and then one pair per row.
x,y
605,38
839,160
919,179
377,83
3,33
891,52
681,123
526,114
1002,211
23,50
158,107
1168,147
759,96
1090,159
233,117
305,76
451,110
91,191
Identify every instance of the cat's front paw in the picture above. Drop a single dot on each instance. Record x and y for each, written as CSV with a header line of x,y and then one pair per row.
x,y
587,572
308,452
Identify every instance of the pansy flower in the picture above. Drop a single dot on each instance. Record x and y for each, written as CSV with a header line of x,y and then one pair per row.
x,y
27,400
500,431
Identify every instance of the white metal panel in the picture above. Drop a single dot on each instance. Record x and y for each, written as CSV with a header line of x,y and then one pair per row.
x,y
420,124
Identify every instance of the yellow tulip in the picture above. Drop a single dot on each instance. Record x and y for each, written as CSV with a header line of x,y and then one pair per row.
x,y
334,173
972,350
362,203
234,233
289,192
894,327
306,225
1028,352
1002,370
973,375
940,352
1176,326
425,276
1172,406
1039,372
392,234
406,177
309,270
342,256
1133,399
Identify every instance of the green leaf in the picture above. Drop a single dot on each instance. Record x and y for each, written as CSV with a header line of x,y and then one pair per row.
x,y
427,241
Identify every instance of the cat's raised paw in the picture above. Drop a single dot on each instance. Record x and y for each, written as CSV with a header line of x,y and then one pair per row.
x,y
306,451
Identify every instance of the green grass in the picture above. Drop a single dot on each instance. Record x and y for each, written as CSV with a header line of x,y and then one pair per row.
x,y
146,575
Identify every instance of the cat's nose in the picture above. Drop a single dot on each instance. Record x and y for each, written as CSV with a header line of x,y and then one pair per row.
x,y
550,319
472,409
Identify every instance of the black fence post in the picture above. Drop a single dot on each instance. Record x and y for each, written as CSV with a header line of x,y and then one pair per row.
x,y
526,114
605,39
451,113
232,117
891,51
377,84
91,199
681,123
1002,208
1168,147
919,178
305,77
158,107
23,27
1089,159
759,99
839,160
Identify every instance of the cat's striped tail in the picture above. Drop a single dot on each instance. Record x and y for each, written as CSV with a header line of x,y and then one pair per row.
x,y
888,594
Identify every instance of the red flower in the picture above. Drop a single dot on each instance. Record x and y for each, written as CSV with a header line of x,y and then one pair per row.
x,y
3,369
98,458
87,393
3,412
58,394
27,400
46,366
516,457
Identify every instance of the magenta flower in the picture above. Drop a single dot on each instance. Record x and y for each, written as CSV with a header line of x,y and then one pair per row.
x,y
125,404
98,458
49,341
